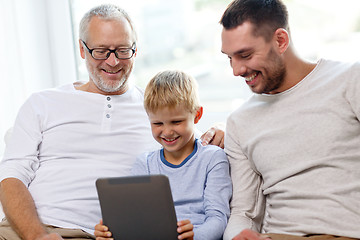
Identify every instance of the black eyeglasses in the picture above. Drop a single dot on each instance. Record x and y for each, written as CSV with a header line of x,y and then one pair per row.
x,y
104,53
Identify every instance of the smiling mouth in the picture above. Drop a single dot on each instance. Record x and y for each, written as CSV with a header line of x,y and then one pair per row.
x,y
111,72
170,139
252,77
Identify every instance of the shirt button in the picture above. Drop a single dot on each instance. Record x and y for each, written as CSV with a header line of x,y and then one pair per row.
x,y
108,115
108,98
109,105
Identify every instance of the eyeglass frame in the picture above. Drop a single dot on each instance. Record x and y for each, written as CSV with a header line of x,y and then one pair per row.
x,y
133,49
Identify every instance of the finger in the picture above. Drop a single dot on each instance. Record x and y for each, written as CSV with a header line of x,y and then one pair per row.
x,y
207,137
106,234
222,145
186,235
217,138
183,222
265,237
101,238
101,227
184,228
248,234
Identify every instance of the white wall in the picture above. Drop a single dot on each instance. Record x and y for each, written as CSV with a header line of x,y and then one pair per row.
x,y
36,52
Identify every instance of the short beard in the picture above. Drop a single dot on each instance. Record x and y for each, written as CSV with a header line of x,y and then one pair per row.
x,y
101,84
277,77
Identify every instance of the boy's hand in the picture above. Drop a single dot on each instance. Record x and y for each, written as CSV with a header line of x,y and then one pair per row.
x,y
185,229
102,232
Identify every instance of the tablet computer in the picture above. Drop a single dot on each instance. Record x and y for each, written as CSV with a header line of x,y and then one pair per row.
x,y
138,207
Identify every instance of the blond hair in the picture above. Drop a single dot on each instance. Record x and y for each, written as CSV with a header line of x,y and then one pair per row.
x,y
171,89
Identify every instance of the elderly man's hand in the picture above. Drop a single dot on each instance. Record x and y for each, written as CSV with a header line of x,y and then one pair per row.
x,y
51,236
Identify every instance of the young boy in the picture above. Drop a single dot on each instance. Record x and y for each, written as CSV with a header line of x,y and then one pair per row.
x,y
199,175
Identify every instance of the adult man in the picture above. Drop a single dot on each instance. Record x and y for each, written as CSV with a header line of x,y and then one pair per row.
x,y
294,147
66,138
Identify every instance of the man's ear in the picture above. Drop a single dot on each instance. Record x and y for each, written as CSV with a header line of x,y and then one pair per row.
x,y
198,115
82,50
281,40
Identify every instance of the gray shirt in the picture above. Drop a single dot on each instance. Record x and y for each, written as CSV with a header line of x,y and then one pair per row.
x,y
295,157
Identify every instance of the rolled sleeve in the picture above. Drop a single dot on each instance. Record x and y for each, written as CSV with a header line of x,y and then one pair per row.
x,y
21,155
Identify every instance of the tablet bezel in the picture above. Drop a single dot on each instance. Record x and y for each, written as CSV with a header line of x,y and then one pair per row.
x,y
138,207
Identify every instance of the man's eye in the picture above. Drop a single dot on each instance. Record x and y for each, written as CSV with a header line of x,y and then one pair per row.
x,y
245,55
100,51
123,52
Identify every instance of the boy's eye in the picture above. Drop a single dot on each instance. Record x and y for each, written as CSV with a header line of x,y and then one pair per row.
x,y
177,122
157,123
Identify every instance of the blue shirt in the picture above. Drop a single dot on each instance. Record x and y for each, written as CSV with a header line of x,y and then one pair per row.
x,y
201,187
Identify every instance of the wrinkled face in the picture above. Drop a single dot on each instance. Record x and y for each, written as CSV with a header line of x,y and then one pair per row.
x,y
108,76
173,128
254,59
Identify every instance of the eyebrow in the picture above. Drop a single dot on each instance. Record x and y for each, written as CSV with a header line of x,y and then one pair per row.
x,y
120,46
241,51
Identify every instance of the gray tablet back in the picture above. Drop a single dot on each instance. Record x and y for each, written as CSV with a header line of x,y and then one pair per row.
x,y
138,207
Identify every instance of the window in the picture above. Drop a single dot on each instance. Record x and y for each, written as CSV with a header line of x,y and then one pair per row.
x,y
39,46
182,35
186,35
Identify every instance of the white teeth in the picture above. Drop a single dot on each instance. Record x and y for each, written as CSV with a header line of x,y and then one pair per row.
x,y
111,71
169,140
249,79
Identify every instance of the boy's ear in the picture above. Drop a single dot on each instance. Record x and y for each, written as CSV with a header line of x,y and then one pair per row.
x,y
198,115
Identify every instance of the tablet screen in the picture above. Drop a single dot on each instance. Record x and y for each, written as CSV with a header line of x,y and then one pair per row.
x,y
138,207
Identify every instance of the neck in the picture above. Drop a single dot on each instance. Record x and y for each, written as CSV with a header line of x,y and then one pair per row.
x,y
91,87
177,157
296,68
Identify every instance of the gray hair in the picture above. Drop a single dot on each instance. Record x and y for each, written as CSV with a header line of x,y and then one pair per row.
x,y
106,12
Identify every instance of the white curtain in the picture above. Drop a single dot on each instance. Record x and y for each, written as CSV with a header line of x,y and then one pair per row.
x,y
36,52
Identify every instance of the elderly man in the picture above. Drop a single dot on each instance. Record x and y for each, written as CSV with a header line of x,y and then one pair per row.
x,y
66,138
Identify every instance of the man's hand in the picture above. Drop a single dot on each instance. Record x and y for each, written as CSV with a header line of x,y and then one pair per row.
x,y
20,211
214,136
51,236
248,234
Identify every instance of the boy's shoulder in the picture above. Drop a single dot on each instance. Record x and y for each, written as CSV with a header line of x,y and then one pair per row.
x,y
211,152
208,148
145,156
